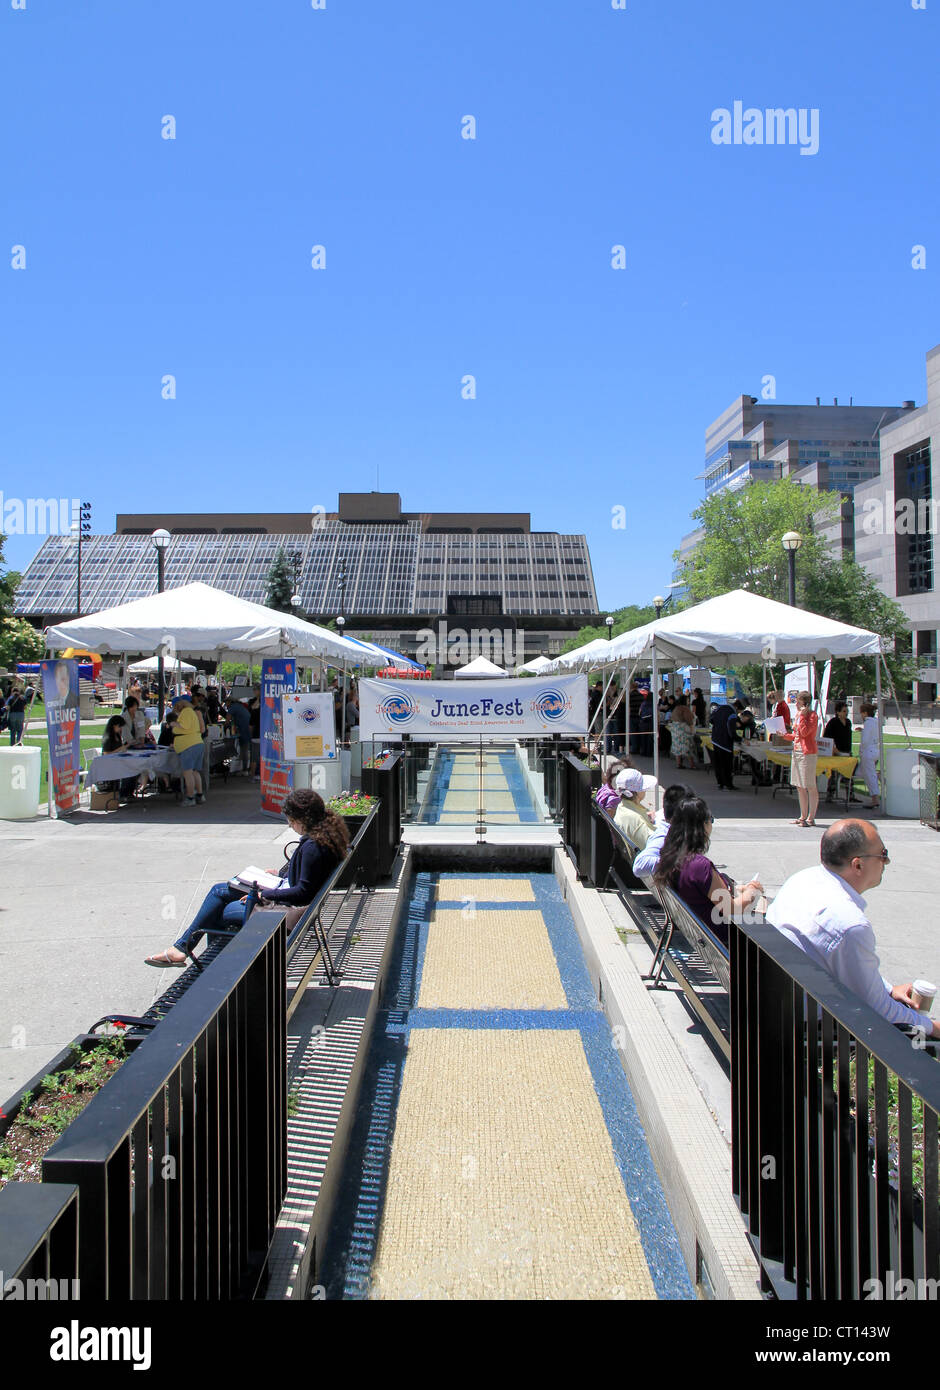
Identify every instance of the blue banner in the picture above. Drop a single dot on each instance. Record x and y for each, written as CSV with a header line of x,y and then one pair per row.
x,y
278,677
60,693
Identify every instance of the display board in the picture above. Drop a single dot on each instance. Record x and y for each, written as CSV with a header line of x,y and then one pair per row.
x,y
309,726
451,710
277,778
60,695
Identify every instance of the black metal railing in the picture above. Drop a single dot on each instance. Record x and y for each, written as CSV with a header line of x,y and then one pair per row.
x,y
834,1131
576,786
180,1162
39,1241
386,783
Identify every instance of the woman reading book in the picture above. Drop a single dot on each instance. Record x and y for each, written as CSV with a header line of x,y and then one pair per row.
x,y
324,842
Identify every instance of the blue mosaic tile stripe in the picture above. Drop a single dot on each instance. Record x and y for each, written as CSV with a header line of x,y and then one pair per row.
x,y
375,1128
521,796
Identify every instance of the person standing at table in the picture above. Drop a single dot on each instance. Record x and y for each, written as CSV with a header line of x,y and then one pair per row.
x,y
782,710
724,722
803,765
868,753
187,743
839,729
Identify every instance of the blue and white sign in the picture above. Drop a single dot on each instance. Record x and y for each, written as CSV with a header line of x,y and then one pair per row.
x,y
309,727
454,709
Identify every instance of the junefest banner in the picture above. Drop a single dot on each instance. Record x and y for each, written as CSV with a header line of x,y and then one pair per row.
x,y
278,678
467,709
60,694
309,726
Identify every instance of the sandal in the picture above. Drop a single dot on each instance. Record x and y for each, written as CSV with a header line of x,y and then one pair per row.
x,y
162,961
801,821
809,822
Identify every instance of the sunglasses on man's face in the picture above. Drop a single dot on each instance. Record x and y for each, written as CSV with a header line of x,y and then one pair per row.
x,y
882,855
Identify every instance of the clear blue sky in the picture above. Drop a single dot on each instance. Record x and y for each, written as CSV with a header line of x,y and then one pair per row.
x,y
447,256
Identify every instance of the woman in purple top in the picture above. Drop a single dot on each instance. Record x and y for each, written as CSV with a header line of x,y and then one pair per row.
x,y
684,866
607,796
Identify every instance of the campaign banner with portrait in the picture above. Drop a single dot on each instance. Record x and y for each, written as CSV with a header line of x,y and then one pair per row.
x,y
467,709
278,678
309,726
60,694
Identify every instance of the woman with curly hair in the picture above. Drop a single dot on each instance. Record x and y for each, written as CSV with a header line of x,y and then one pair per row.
x,y
324,842
684,866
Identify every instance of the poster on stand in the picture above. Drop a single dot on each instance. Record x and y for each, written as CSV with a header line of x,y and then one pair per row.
x,y
278,677
60,694
467,709
309,727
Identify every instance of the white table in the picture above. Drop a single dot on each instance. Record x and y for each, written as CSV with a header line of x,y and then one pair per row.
x,y
114,767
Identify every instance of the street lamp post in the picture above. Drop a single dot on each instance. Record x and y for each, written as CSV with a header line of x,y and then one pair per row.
x,y
81,528
341,623
609,623
161,539
791,543
659,603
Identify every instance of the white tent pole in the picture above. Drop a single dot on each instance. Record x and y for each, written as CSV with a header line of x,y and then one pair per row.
x,y
655,684
882,801
764,675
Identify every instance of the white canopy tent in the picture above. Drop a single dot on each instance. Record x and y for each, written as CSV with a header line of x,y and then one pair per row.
x,y
198,620
590,655
537,664
479,669
737,627
151,666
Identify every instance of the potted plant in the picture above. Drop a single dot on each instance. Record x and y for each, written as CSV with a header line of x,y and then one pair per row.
x,y
353,807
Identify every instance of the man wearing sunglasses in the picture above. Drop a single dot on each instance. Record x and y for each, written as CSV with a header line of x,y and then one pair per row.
x,y
821,910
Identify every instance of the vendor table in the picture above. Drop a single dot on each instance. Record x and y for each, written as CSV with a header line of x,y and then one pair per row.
x,y
762,752
114,767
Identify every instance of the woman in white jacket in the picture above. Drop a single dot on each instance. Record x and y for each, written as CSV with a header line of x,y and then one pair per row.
x,y
868,755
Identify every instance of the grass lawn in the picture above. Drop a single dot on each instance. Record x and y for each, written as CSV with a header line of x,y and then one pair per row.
x,y
931,743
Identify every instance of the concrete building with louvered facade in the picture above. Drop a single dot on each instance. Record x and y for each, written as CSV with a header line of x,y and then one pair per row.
x,y
390,573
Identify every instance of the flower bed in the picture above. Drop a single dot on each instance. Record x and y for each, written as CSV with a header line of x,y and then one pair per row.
x,y
42,1115
352,804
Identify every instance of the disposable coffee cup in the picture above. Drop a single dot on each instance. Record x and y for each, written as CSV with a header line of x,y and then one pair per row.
x,y
923,993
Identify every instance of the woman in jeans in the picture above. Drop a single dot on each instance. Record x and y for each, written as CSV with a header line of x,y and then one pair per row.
x,y
324,842
803,766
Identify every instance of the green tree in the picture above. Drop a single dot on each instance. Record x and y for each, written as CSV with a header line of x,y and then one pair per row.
x,y
9,579
741,547
279,583
19,641
842,590
625,619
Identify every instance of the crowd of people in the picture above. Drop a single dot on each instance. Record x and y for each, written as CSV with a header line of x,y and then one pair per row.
x,y
194,720
820,909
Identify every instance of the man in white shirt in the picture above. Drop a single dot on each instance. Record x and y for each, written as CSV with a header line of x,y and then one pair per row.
x,y
821,911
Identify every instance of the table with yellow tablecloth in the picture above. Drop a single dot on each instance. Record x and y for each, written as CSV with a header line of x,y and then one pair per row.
x,y
842,763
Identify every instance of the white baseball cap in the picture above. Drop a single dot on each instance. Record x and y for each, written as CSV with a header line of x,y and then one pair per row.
x,y
632,782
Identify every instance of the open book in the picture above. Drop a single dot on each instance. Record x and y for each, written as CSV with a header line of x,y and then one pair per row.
x,y
260,876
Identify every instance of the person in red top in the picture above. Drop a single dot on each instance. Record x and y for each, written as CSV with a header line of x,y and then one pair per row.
x,y
782,709
803,766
